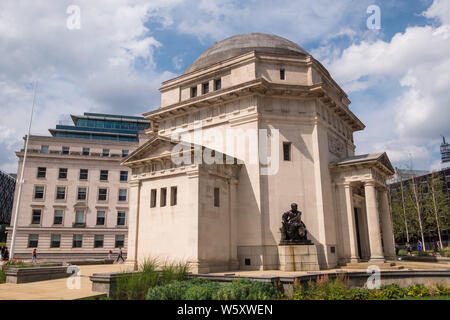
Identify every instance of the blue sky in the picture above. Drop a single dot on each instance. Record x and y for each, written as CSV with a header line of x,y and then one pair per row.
x,y
397,77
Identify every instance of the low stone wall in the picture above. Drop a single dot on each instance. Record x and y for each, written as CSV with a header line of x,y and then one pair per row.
x,y
25,275
106,282
423,259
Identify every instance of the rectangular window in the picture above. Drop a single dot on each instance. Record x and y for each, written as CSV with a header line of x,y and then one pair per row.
x,y
77,241
103,175
82,194
102,194
120,240
120,218
36,216
173,196
105,153
193,92
84,174
216,197
33,240
39,192
44,149
41,172
122,194
100,218
286,151
217,84
58,217
60,193
125,153
153,198
282,74
163,197
86,151
65,150
55,241
79,217
123,175
205,88
98,241
62,173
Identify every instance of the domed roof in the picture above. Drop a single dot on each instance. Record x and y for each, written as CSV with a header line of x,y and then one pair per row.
x,y
243,43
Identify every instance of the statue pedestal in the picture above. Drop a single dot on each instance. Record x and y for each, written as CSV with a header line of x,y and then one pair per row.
x,y
298,257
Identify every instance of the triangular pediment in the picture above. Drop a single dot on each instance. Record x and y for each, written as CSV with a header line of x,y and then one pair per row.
x,y
155,147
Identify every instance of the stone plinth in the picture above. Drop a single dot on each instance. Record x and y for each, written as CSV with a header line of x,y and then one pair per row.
x,y
298,258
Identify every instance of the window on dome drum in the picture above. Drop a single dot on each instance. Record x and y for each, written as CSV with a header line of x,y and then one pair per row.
x,y
122,194
39,192
173,196
55,241
125,153
98,241
36,216
193,92
121,218
81,194
84,174
216,197
103,175
33,240
123,175
60,193
282,74
62,174
163,197
217,84
286,151
153,198
102,194
86,151
41,172
105,153
100,218
44,149
205,88
119,241
77,241
58,217
65,150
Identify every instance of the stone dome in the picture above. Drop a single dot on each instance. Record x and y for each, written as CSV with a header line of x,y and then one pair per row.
x,y
243,43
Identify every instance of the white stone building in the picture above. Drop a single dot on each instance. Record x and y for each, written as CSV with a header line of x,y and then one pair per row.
x,y
228,216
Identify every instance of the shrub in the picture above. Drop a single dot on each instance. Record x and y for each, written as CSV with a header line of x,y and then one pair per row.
x,y
359,294
394,291
402,252
246,289
441,289
205,291
376,294
418,290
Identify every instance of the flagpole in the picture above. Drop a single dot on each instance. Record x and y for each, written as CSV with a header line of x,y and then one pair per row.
x,y
21,180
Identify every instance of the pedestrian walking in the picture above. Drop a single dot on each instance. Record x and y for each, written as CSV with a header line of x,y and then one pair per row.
x,y
120,256
419,245
34,256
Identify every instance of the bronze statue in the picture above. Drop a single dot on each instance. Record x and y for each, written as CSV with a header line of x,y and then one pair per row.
x,y
293,230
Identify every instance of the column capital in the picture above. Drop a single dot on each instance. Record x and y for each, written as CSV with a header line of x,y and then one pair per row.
x,y
370,183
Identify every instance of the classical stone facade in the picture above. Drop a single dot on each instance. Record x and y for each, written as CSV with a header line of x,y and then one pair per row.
x,y
268,94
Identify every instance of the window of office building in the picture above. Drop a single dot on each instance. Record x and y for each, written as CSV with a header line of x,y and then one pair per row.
x,y
163,197
98,241
120,240
77,241
36,216
41,172
122,194
103,175
39,192
60,193
125,153
216,197
123,175
217,84
286,151
282,74
33,240
82,193
65,150
62,174
121,218
173,196
205,88
55,241
84,174
86,151
193,92
58,216
105,153
44,149
101,218
153,198
102,194
79,216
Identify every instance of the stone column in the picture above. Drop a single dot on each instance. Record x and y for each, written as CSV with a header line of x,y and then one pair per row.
x,y
373,223
386,226
133,223
234,263
350,211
